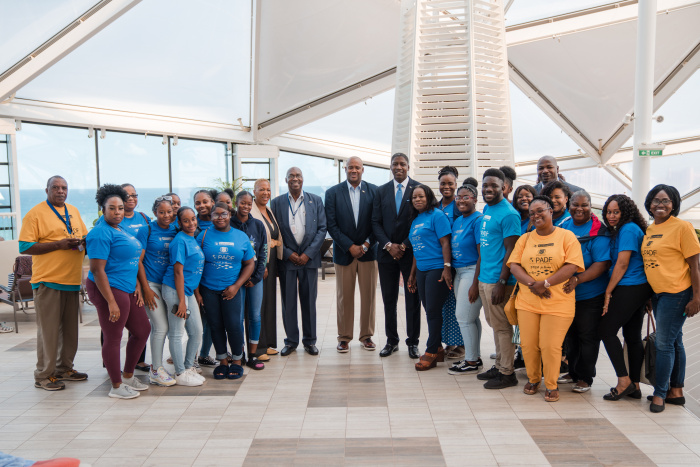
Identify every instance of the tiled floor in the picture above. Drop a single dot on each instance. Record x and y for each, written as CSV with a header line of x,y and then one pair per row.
x,y
334,409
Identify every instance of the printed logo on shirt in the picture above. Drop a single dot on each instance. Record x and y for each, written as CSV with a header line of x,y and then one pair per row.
x,y
541,263
223,249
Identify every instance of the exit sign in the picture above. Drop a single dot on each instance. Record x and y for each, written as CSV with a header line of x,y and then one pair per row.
x,y
650,152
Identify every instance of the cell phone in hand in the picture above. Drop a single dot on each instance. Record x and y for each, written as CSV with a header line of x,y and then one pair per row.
x,y
175,310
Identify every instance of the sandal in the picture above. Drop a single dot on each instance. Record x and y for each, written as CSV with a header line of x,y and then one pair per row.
x,y
551,395
455,353
235,371
440,354
531,389
6,328
221,372
264,358
255,364
427,361
616,396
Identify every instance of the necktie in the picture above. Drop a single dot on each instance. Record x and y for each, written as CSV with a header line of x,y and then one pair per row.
x,y
399,198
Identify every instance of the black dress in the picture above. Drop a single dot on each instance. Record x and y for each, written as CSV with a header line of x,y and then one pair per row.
x,y
268,311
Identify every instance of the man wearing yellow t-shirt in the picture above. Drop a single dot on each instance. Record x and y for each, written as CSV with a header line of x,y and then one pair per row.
x,y
53,233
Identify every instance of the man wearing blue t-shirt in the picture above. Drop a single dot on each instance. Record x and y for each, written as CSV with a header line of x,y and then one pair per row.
x,y
500,229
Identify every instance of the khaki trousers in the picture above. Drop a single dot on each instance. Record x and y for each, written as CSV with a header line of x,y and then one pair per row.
x,y
366,275
502,329
541,337
56,331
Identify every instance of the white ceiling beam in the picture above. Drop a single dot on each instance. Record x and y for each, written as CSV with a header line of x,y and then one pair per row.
x,y
619,175
673,148
255,68
321,148
327,105
61,44
689,201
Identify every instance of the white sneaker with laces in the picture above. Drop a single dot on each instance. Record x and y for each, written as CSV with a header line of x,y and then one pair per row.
x,y
187,379
195,374
123,392
161,377
135,383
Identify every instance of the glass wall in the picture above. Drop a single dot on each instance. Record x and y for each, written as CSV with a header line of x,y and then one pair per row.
x,y
319,173
198,164
253,169
6,223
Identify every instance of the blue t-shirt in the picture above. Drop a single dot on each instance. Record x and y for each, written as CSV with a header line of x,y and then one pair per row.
x,y
157,256
449,211
466,232
186,251
204,225
500,222
224,253
523,226
564,217
122,252
595,250
629,238
426,231
137,226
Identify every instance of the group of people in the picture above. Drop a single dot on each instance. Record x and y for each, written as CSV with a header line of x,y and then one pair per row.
x,y
210,272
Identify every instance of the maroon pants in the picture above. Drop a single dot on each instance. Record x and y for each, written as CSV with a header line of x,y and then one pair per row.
x,y
132,317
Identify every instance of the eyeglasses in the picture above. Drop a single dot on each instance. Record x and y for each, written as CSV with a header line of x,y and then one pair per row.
x,y
162,198
665,202
465,197
223,215
135,195
539,212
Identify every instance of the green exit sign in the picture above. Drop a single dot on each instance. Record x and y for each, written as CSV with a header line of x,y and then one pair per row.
x,y
650,152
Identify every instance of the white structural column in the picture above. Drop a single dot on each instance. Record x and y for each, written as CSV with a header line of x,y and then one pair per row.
x,y
452,99
643,97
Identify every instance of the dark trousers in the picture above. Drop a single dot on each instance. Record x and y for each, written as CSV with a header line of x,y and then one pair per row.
x,y
433,294
389,274
582,339
307,282
224,317
268,310
626,311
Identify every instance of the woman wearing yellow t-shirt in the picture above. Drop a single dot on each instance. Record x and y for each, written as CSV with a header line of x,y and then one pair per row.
x,y
670,250
542,261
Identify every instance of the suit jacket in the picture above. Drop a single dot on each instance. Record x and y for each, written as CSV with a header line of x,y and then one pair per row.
x,y
313,237
341,222
387,225
255,212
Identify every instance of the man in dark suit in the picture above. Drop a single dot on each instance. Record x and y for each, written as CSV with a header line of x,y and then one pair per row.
x,y
391,223
349,215
302,222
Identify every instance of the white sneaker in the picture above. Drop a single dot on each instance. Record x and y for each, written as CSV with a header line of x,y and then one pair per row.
x,y
123,392
196,367
134,383
161,377
186,378
194,373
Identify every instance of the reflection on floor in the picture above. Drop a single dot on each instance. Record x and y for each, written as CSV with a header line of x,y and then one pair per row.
x,y
334,409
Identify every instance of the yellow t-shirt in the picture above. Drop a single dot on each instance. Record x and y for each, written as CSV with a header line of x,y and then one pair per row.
x,y
665,248
42,225
541,257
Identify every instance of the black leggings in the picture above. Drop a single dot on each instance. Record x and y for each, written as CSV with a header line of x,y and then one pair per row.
x,y
625,310
433,294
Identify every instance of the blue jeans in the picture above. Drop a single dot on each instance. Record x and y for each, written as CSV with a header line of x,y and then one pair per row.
x,y
159,325
224,318
467,314
252,296
669,311
178,326
206,336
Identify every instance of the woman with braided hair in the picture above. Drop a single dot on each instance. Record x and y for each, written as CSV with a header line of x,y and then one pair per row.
x,y
625,296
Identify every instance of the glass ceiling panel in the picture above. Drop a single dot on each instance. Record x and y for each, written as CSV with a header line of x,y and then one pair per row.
x,y
523,11
368,124
534,133
28,24
681,171
163,57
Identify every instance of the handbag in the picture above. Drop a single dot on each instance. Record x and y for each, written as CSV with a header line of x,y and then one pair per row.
x,y
648,373
509,308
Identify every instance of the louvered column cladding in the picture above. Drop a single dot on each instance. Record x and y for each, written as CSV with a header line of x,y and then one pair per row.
x,y
452,101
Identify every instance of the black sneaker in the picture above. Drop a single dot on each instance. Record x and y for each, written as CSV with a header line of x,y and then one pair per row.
x,y
518,363
480,362
463,368
501,381
207,361
488,374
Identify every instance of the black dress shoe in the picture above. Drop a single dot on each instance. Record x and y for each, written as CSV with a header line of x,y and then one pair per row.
x,y
388,350
413,351
311,349
671,400
287,350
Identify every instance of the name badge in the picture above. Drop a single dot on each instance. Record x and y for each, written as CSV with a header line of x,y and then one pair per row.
x,y
294,229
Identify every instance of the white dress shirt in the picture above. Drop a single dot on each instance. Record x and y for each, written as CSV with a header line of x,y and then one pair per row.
x,y
297,217
355,200
404,184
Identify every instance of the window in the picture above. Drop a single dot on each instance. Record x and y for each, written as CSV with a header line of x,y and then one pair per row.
x,y
319,173
198,164
253,169
6,222
376,175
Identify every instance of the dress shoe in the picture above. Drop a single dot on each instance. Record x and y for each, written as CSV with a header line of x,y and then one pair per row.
x,y
311,349
367,344
413,351
388,350
671,400
287,349
342,347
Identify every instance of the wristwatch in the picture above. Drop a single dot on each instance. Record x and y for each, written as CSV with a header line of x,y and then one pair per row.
x,y
364,248
547,284
448,265
502,281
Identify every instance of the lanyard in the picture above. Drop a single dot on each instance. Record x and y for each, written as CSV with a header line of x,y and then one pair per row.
x,y
294,213
66,221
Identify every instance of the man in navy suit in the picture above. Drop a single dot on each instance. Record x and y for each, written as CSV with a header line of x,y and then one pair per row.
x,y
302,222
349,214
391,223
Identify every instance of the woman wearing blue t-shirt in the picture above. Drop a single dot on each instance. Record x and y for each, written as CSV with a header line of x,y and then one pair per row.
x,y
253,289
180,282
583,343
431,273
625,296
204,204
522,198
114,264
155,263
560,195
465,259
228,266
